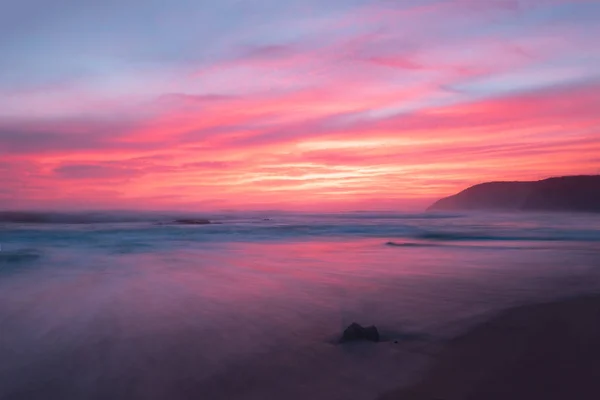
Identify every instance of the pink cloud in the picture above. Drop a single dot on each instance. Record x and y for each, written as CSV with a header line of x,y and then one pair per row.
x,y
403,104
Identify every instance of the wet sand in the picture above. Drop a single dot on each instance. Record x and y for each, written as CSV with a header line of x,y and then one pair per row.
x,y
546,351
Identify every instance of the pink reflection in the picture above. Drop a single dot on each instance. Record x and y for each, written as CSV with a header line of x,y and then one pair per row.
x,y
207,319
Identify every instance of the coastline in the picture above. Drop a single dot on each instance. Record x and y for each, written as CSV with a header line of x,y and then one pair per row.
x,y
544,351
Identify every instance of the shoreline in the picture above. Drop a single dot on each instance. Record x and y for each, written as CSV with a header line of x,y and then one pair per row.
x,y
546,351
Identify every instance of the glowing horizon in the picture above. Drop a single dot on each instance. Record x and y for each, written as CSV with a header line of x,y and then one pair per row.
x,y
350,105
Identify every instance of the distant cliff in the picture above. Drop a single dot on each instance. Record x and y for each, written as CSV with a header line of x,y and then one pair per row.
x,y
567,193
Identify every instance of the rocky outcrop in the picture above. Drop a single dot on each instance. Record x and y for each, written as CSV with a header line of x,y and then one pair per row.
x,y
358,332
191,222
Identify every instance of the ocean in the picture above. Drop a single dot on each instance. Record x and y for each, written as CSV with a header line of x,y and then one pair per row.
x,y
130,306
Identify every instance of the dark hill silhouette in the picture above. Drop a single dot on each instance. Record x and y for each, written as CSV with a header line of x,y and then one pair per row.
x,y
567,193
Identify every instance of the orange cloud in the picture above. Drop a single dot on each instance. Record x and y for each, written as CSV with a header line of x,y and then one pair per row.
x,y
373,117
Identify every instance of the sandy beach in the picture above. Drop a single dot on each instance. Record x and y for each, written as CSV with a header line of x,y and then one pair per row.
x,y
544,351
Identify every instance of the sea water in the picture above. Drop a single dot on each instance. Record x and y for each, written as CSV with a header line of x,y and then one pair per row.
x,y
131,306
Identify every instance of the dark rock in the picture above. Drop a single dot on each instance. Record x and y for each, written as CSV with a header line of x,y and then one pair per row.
x,y
358,332
192,221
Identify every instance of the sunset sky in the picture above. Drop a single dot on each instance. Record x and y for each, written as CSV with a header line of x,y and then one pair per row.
x,y
293,104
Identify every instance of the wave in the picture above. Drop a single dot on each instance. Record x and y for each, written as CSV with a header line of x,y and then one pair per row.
x,y
142,235
18,256
411,244
166,217
413,234
395,215
572,235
